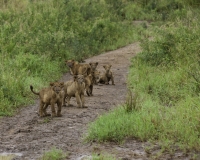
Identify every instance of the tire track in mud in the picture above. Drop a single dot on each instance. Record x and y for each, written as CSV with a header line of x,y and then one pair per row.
x,y
31,136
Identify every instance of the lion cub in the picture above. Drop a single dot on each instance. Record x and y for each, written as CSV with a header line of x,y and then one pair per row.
x,y
106,76
89,85
94,72
95,77
75,88
78,68
93,65
50,96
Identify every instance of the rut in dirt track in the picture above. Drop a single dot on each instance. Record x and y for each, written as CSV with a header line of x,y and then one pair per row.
x,y
31,136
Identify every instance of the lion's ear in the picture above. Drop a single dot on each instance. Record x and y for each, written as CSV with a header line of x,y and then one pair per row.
x,y
73,61
51,83
97,63
90,63
62,84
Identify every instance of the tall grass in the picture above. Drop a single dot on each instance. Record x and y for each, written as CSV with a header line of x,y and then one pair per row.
x,y
37,36
165,76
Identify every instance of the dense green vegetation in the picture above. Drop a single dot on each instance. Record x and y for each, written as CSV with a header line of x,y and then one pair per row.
x,y
38,35
165,82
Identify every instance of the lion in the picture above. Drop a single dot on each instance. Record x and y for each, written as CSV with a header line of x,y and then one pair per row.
x,y
93,65
70,64
96,76
106,76
94,71
78,68
75,88
50,96
89,84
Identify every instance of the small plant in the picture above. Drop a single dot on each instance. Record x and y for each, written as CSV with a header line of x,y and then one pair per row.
x,y
46,120
54,154
131,101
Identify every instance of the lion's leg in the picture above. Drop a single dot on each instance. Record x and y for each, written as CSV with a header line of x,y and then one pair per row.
x,y
68,100
63,101
106,81
78,100
59,104
95,81
83,100
71,72
112,79
41,108
88,91
45,110
91,90
53,109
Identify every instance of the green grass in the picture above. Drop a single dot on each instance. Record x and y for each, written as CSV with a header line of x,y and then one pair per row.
x,y
164,79
38,36
54,154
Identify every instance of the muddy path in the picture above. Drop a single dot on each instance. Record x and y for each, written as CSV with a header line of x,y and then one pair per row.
x,y
31,136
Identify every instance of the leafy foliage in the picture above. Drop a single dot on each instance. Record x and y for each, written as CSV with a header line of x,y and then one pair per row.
x,y
37,36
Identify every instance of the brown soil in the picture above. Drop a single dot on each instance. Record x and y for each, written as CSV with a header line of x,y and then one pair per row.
x,y
31,136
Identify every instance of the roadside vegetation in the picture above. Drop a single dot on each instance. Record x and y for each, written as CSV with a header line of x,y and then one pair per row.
x,y
37,36
54,154
163,104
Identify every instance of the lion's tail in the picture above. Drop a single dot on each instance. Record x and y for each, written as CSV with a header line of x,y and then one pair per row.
x,y
31,87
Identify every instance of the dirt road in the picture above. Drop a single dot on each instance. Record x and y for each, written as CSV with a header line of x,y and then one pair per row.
x,y
31,136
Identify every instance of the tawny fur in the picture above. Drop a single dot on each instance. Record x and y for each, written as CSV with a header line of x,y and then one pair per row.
x,y
75,88
93,65
107,75
78,68
89,85
96,76
70,64
94,71
50,96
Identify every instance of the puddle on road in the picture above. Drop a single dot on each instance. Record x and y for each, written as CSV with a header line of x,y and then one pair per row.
x,y
9,156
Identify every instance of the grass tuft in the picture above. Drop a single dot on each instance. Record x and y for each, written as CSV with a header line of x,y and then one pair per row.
x,y
54,154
